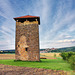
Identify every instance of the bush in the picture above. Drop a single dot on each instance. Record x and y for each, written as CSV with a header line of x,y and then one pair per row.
x,y
72,61
70,54
70,57
54,55
64,55
67,55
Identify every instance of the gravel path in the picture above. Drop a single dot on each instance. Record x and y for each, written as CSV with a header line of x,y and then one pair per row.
x,y
15,70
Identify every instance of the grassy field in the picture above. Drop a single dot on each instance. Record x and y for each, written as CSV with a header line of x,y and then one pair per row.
x,y
54,64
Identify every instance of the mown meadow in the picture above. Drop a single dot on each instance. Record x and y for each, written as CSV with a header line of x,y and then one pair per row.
x,y
54,64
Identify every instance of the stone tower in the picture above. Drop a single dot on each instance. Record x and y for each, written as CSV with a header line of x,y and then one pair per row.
x,y
27,38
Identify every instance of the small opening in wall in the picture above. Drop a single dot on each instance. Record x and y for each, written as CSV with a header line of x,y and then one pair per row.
x,y
26,49
18,45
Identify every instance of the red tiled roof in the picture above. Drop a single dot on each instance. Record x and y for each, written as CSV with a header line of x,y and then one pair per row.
x,y
27,16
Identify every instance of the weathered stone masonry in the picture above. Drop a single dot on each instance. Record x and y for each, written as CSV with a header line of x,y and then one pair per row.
x,y
27,40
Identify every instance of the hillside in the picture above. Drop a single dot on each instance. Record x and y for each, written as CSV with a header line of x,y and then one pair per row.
x,y
66,49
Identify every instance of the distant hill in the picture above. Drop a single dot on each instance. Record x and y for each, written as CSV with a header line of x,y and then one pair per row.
x,y
66,49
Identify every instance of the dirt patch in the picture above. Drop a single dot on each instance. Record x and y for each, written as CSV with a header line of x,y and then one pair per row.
x,y
15,70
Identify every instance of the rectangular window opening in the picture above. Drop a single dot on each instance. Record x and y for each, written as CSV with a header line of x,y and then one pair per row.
x,y
26,49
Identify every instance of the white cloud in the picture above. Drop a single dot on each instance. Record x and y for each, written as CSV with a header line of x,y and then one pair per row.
x,y
57,43
62,25
66,40
7,40
55,31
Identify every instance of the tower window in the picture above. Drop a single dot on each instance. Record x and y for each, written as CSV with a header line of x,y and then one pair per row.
x,y
26,49
18,45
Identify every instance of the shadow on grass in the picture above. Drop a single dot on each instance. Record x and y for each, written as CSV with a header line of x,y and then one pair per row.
x,y
25,61
44,61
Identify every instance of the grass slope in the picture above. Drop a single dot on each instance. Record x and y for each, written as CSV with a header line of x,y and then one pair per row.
x,y
54,64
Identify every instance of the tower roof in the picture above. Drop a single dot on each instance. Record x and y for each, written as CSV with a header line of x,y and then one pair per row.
x,y
27,16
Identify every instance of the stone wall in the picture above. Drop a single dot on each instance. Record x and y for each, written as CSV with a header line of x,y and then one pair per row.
x,y
27,41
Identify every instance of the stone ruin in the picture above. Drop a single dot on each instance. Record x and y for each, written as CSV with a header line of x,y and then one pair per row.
x,y
27,38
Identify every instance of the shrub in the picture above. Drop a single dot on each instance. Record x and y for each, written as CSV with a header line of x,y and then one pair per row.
x,y
70,57
54,55
64,55
67,55
72,61
70,54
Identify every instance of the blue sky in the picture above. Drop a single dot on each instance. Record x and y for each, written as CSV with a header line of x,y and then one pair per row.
x,y
57,18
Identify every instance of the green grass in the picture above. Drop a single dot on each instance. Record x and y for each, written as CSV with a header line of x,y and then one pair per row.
x,y
53,64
